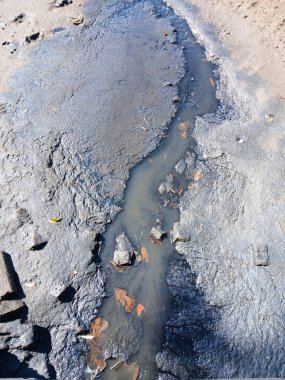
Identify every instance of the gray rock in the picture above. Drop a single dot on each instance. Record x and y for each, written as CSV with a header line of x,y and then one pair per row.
x,y
157,233
17,335
166,185
260,255
124,250
123,243
57,288
179,233
39,363
10,308
122,258
180,167
37,241
7,283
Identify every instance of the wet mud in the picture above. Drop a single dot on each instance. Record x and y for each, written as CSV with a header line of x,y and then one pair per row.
x,y
133,337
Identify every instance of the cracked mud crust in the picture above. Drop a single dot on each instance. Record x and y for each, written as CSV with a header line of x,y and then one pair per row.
x,y
89,105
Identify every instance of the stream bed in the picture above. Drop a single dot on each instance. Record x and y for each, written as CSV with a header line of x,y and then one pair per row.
x,y
135,337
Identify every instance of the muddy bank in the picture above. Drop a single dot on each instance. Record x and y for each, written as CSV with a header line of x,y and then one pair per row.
x,y
229,305
90,104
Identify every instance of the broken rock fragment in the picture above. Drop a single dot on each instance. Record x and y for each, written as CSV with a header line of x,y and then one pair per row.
x,y
16,335
180,167
77,20
57,288
179,233
157,234
124,251
260,255
7,282
10,308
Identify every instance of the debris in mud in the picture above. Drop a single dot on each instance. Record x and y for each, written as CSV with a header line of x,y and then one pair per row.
x,y
140,309
96,361
212,82
184,129
20,18
98,326
180,167
7,280
165,186
260,255
32,38
55,220
270,118
77,20
144,254
197,175
239,140
2,108
62,3
179,233
128,302
157,234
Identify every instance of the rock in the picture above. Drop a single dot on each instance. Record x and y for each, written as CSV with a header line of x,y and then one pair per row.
x,y
123,243
180,167
17,335
37,242
101,217
124,251
33,37
9,308
77,20
57,288
166,185
122,258
21,217
62,3
179,233
260,255
157,233
7,281
39,363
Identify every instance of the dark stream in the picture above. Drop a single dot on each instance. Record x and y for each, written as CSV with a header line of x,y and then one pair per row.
x,y
133,338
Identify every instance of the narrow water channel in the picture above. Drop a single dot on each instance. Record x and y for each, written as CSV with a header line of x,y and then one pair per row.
x,y
130,337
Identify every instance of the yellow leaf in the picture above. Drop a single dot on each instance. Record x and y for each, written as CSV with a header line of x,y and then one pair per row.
x,y
55,220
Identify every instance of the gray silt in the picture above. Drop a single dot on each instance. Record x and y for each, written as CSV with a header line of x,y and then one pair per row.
x,y
230,313
90,103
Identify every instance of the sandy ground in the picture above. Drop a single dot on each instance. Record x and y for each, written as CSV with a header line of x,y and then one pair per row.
x,y
21,19
233,308
254,34
88,105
